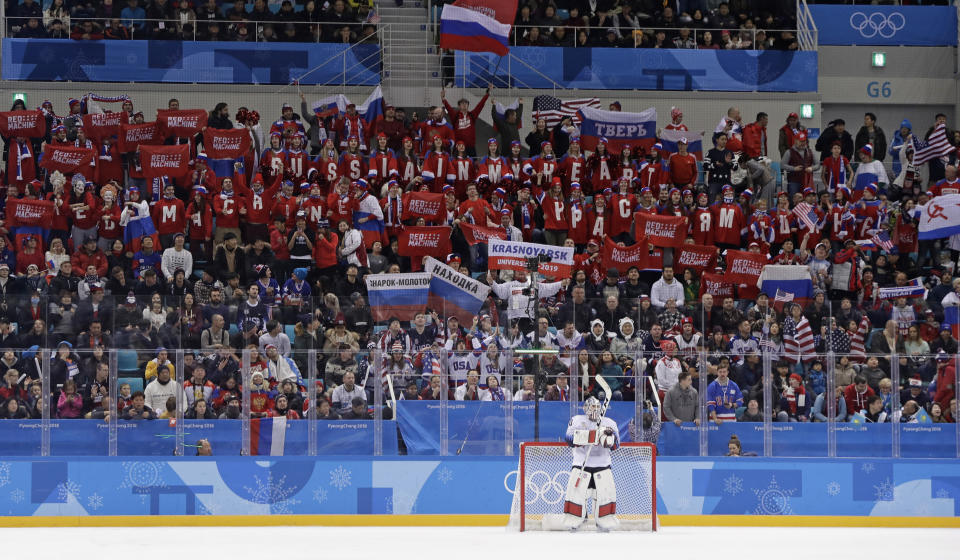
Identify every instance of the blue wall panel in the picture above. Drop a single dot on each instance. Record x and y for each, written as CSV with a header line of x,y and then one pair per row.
x,y
190,62
645,69
458,485
918,26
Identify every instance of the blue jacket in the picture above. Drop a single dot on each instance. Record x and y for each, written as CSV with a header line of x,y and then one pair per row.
x,y
896,144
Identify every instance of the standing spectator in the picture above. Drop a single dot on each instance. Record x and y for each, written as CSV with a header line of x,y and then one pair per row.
x,y
162,24
871,134
682,403
789,132
835,132
464,119
509,124
723,396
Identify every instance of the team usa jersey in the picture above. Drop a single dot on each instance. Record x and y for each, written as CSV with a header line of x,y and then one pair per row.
x,y
599,456
724,399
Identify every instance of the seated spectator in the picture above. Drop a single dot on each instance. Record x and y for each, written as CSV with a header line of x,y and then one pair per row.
x,y
137,409
752,413
347,393
357,411
325,411
87,31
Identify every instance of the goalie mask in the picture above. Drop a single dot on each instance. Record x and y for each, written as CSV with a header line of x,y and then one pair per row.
x,y
592,409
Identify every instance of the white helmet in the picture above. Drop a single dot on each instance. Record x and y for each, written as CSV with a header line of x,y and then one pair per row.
x,y
592,407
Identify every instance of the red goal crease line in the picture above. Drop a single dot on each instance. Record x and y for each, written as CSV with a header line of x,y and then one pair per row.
x,y
458,520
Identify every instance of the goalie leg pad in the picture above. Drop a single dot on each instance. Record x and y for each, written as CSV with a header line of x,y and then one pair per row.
x,y
575,499
606,500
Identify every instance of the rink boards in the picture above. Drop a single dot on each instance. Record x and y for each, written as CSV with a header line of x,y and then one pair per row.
x,y
461,491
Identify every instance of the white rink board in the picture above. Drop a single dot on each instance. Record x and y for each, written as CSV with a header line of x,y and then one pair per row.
x,y
462,543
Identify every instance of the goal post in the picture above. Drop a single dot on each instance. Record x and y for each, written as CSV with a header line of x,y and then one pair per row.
x,y
543,472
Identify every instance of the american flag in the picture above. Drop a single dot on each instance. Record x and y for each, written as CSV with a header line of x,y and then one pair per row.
x,y
554,109
858,341
837,341
798,339
932,148
782,296
882,239
807,215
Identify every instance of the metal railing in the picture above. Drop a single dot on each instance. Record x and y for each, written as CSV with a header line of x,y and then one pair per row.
x,y
199,30
806,27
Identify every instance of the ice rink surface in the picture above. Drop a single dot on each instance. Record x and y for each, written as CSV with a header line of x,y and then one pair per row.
x,y
462,543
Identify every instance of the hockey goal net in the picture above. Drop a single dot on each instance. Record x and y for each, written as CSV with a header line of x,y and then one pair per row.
x,y
545,468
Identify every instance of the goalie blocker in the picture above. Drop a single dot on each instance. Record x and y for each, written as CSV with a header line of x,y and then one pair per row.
x,y
592,437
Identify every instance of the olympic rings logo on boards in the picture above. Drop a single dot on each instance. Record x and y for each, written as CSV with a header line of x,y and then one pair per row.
x,y
540,486
877,23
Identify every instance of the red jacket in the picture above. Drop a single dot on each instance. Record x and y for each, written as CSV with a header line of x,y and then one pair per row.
x,y
278,243
81,260
465,123
755,140
325,250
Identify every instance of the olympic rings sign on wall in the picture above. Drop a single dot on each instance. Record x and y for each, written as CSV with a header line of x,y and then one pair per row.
x,y
877,23
540,486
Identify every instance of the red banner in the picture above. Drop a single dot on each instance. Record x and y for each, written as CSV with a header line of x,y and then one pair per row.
x,y
181,124
662,231
715,284
429,206
25,212
226,144
744,267
622,258
172,161
696,257
103,125
420,241
29,124
481,234
67,159
133,135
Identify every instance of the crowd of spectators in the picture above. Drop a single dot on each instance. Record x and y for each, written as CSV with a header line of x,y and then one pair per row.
x,y
654,24
270,263
337,21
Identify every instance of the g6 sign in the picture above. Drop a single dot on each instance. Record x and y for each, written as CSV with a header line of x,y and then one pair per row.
x,y
876,89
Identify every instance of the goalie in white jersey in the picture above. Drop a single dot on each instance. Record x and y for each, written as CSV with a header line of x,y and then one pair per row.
x,y
592,438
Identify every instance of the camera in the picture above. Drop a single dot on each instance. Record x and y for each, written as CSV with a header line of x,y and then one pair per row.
x,y
533,263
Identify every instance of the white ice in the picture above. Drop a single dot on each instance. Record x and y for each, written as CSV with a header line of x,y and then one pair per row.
x,y
463,543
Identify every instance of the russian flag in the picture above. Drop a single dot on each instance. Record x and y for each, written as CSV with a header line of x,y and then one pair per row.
x,y
787,278
330,106
454,293
951,316
669,139
397,295
268,436
372,107
617,129
464,29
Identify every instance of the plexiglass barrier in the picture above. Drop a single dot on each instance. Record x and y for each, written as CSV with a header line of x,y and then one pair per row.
x,y
707,378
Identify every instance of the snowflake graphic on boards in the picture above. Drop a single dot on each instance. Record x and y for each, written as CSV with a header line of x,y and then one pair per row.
x,y
340,477
142,474
883,492
67,489
273,492
833,489
16,496
732,485
943,493
867,468
320,495
774,500
4,474
445,475
94,501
